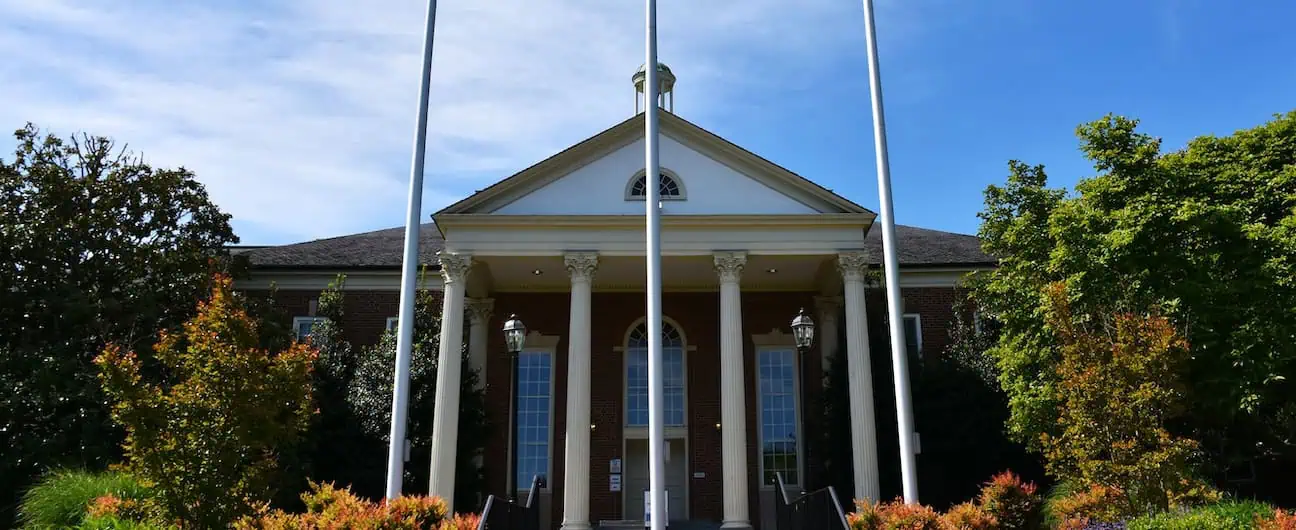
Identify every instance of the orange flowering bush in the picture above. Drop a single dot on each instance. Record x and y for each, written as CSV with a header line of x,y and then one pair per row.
x,y
1012,502
1096,504
968,516
895,515
328,507
207,438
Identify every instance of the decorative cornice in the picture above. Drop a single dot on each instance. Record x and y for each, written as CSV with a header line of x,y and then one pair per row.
x,y
480,310
581,266
454,267
853,266
729,265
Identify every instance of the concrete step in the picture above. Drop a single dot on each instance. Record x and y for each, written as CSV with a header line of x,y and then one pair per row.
x,y
674,525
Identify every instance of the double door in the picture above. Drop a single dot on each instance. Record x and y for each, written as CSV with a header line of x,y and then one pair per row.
x,y
636,478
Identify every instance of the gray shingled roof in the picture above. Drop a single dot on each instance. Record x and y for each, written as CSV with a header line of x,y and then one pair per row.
x,y
381,249
921,247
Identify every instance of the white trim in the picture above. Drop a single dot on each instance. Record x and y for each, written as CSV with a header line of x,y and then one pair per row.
x,y
297,321
303,280
643,174
537,343
772,342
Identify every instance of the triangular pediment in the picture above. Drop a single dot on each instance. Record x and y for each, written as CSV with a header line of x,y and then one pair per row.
x,y
595,177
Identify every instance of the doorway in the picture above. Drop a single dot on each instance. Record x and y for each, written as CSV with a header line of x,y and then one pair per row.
x,y
636,478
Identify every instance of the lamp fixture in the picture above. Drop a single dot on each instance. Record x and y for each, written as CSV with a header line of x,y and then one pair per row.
x,y
514,334
803,329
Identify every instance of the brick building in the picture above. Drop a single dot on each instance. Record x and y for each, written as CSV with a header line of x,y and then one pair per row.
x,y
745,244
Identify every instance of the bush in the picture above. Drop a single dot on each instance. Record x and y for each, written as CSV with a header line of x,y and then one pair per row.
x,y
968,516
1095,505
1282,520
895,515
1227,515
1012,502
330,507
61,499
209,439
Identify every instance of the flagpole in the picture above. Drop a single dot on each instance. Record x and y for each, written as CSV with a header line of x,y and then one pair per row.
x,y
891,268
656,469
409,271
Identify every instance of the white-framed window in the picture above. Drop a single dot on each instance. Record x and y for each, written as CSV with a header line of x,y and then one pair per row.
x,y
778,396
636,400
913,334
391,323
534,408
302,326
669,186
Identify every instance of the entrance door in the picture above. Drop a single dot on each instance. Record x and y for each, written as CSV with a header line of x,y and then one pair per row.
x,y
636,478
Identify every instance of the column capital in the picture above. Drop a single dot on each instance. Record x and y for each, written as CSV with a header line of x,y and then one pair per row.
x,y
852,265
480,310
729,265
454,267
581,266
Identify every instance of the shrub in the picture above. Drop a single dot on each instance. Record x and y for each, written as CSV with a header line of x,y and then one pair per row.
x,y
461,522
1012,502
1097,504
61,499
895,515
208,439
328,507
1227,515
1282,520
968,516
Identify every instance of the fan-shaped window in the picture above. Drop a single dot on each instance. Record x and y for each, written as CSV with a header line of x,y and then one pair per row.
x,y
637,376
669,187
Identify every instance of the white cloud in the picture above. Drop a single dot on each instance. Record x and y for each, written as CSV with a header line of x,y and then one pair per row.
x,y
298,116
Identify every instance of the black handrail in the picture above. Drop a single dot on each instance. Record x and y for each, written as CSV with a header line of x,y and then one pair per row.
x,y
818,510
500,513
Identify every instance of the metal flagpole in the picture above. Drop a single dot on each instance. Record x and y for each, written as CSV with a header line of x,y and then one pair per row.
x,y
656,469
899,359
409,270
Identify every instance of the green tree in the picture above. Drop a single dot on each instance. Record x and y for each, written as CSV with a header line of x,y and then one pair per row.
x,y
209,439
1204,235
96,246
370,398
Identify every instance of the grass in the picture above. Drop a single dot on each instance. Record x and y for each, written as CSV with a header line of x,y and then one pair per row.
x,y
1225,515
60,499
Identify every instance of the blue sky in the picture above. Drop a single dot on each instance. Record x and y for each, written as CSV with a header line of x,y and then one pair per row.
x,y
297,114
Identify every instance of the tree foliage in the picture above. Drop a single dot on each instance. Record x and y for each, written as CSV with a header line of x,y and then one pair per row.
x,y
1120,382
370,398
1204,235
209,438
96,246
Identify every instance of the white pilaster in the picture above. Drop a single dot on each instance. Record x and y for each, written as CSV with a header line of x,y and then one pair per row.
x,y
853,267
445,420
733,410
479,315
576,477
826,313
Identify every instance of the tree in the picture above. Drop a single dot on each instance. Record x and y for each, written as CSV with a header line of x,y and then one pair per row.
x,y
209,439
96,247
1120,382
1203,235
370,398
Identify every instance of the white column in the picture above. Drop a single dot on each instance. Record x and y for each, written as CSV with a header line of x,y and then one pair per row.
x,y
479,315
576,476
853,266
826,312
445,419
733,397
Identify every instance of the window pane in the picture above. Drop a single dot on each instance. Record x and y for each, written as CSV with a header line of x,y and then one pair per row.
x,y
533,415
778,414
912,333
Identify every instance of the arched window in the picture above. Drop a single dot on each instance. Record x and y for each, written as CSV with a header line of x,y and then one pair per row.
x,y
637,376
669,186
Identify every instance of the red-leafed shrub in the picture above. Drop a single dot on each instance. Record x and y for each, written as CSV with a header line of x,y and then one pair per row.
x,y
968,516
1282,520
895,515
328,507
1012,502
